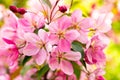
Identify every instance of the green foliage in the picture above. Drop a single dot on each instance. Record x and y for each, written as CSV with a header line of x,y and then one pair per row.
x,y
77,69
25,69
116,26
42,71
77,46
25,60
113,62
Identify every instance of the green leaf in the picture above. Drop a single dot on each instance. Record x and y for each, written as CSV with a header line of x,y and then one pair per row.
x,y
25,69
77,46
77,70
26,59
48,3
42,71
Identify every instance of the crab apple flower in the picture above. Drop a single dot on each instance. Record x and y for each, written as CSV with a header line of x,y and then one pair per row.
x,y
37,46
50,11
102,22
97,74
81,24
59,34
31,21
94,54
62,76
9,53
60,60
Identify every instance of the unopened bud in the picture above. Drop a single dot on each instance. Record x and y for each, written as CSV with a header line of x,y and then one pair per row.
x,y
62,9
21,11
13,9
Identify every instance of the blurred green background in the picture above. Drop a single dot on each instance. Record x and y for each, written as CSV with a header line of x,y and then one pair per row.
x,y
113,50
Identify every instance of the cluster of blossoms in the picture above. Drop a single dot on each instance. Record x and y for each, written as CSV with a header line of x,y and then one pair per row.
x,y
58,43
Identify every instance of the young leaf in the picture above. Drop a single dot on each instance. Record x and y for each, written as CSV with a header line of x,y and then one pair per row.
x,y
77,46
25,69
42,71
26,59
77,70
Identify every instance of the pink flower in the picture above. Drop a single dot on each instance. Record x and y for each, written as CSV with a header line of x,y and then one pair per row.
x,y
94,54
31,21
96,74
37,46
9,51
81,24
60,35
60,60
102,21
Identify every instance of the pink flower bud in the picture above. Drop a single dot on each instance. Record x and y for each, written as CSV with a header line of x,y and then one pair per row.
x,y
13,9
62,9
21,11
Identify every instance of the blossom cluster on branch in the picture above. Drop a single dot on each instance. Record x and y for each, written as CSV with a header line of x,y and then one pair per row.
x,y
48,42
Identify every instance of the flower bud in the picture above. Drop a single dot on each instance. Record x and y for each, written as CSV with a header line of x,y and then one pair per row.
x,y
62,9
13,9
21,11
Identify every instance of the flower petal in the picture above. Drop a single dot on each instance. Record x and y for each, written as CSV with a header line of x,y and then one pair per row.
x,y
76,16
30,49
53,63
73,56
31,37
43,35
41,57
66,67
64,45
72,35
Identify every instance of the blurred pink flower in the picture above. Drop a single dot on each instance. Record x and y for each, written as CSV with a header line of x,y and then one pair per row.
x,y
60,35
60,60
37,46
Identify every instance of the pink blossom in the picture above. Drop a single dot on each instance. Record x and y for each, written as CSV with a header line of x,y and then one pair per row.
x,y
10,51
97,74
32,21
37,46
81,24
102,21
60,60
60,35
94,54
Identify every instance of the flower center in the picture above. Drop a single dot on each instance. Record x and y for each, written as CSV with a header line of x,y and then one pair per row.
x,y
61,34
40,44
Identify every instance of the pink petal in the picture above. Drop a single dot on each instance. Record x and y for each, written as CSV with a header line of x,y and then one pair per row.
x,y
89,55
41,57
53,27
53,63
30,49
83,38
64,22
73,56
31,37
41,22
86,23
72,35
76,16
43,35
66,67
64,45
53,38
8,41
